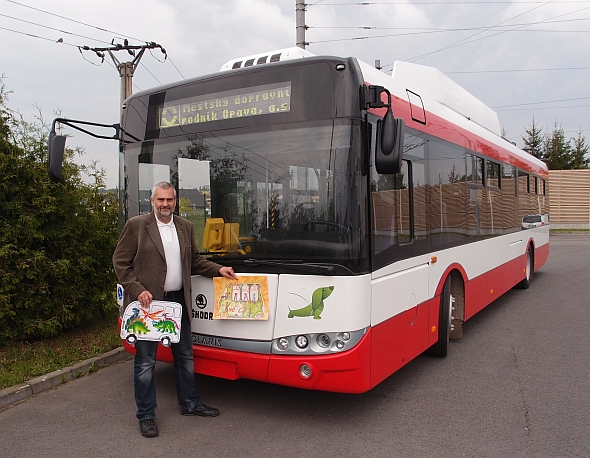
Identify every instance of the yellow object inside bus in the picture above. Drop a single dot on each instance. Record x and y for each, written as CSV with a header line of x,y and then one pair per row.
x,y
222,237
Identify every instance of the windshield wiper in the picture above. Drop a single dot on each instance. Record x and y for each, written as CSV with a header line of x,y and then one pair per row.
x,y
295,264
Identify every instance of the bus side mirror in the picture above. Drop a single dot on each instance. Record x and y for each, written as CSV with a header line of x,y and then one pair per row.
x,y
57,143
55,154
390,144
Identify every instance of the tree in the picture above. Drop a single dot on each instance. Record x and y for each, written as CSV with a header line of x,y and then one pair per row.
x,y
558,152
56,240
579,153
533,142
454,175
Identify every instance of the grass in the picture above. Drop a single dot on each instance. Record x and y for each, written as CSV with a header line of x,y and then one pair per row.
x,y
22,361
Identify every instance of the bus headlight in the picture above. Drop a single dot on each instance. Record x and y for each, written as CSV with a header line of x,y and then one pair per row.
x,y
301,342
283,343
323,340
317,343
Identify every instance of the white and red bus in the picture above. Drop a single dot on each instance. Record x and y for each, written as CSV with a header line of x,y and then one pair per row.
x,y
361,242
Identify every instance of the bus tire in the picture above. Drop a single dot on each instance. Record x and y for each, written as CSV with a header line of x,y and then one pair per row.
x,y
529,269
445,319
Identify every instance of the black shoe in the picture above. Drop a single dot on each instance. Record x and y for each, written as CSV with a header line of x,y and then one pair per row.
x,y
148,428
202,411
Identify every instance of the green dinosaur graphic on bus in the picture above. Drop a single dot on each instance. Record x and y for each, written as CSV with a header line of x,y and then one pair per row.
x,y
316,307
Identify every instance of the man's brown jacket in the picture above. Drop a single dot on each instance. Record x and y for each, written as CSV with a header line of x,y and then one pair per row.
x,y
140,262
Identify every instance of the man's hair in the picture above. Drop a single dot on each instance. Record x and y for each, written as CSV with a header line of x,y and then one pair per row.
x,y
162,185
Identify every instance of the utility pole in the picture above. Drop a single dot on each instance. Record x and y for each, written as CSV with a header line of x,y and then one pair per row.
x,y
126,69
300,23
57,143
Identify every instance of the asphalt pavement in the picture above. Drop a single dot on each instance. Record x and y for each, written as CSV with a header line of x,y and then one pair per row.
x,y
46,382
517,385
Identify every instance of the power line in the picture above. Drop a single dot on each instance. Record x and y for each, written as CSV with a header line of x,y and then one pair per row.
x,y
441,31
477,2
174,65
51,28
37,36
453,29
537,103
569,107
162,61
74,20
73,34
425,31
154,76
519,70
463,41
457,43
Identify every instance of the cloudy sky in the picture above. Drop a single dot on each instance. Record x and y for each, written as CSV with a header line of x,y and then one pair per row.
x,y
523,58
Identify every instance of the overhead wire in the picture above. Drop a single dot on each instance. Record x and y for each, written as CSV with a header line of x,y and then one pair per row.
x,y
452,29
148,70
76,21
517,70
174,65
538,103
457,43
512,28
73,34
444,3
463,42
52,28
37,36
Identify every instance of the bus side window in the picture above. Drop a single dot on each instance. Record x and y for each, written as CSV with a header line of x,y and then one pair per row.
x,y
391,224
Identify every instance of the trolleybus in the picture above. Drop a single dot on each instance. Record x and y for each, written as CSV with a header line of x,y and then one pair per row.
x,y
367,216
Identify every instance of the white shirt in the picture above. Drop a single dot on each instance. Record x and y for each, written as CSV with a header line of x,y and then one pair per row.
x,y
172,252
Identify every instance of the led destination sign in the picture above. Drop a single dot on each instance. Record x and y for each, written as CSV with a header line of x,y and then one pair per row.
x,y
220,106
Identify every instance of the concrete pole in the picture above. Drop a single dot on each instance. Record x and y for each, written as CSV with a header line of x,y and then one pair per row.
x,y
300,23
126,70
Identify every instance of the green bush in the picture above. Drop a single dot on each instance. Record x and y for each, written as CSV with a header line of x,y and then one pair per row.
x,y
56,240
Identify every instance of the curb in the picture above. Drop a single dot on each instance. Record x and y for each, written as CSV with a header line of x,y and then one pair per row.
x,y
45,382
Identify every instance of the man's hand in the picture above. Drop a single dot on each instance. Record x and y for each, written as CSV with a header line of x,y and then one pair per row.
x,y
145,299
227,272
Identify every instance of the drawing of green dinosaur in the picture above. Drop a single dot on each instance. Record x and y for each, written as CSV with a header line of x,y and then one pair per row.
x,y
137,327
168,326
316,307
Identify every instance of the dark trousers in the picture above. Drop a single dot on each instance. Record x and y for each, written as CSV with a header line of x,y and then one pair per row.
x,y
184,370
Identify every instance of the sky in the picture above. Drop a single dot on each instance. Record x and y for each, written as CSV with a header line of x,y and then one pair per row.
x,y
525,59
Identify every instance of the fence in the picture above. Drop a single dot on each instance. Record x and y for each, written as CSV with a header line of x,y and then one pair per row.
x,y
569,199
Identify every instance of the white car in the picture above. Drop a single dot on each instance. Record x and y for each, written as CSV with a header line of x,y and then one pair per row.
x,y
160,323
538,220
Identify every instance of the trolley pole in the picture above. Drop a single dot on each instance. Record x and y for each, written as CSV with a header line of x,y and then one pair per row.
x,y
300,23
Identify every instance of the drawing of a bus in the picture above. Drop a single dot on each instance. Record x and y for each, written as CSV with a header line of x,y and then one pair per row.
x,y
161,322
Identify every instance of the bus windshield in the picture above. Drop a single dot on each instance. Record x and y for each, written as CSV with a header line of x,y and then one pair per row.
x,y
283,193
